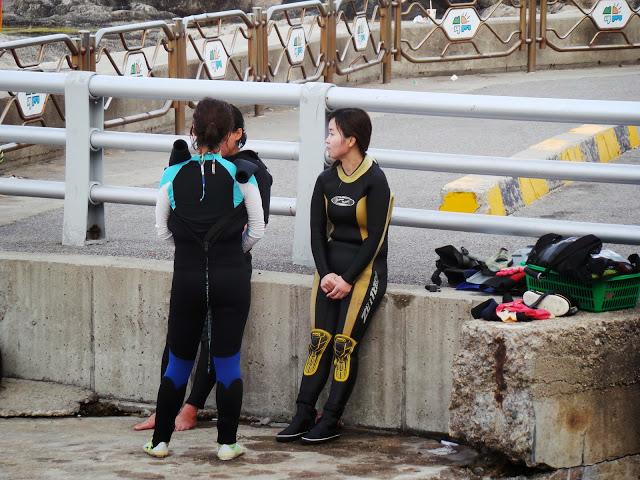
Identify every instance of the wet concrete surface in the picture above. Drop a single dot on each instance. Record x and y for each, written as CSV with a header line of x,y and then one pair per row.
x,y
106,447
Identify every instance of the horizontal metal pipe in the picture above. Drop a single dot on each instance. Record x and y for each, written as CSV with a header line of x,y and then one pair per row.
x,y
283,206
216,15
33,135
419,103
143,142
153,142
486,106
297,5
26,81
134,27
127,195
407,217
400,159
31,188
147,196
519,226
185,89
38,41
275,150
504,166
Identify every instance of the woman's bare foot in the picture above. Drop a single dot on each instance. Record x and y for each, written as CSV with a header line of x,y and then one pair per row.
x,y
148,424
187,418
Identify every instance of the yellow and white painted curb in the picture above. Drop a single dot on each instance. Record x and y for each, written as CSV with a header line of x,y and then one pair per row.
x,y
504,195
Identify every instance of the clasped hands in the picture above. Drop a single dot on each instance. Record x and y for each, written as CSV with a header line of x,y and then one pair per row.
x,y
334,286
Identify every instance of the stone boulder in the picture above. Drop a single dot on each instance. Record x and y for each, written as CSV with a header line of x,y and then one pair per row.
x,y
88,13
558,393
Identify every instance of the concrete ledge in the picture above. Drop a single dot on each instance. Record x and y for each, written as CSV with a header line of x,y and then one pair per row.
x,y
561,393
100,323
505,195
28,398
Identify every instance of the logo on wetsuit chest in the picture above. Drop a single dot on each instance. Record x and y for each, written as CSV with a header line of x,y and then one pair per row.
x,y
342,201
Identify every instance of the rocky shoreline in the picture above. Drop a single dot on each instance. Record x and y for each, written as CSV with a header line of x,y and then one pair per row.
x,y
97,14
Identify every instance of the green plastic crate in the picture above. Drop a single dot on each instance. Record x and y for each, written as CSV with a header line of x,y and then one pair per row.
x,y
613,293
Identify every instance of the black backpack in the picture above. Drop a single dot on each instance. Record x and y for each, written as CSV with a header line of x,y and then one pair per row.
x,y
453,263
570,257
247,163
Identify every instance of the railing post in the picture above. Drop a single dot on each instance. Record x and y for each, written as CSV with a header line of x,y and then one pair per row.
x,y
543,24
328,42
397,31
178,69
524,5
258,50
83,220
386,37
313,101
86,46
531,37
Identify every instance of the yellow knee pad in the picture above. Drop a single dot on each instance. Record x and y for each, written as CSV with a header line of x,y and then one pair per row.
x,y
343,346
319,341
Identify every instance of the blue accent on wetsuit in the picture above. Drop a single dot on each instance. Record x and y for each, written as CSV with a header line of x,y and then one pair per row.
x,y
227,368
171,172
178,370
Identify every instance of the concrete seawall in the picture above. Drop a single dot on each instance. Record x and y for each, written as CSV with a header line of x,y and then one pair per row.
x,y
100,323
561,393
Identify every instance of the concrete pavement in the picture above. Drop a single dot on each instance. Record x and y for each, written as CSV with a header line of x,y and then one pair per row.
x,y
107,448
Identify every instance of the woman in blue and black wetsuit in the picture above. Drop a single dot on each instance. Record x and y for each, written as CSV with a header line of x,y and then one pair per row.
x,y
204,207
350,211
204,380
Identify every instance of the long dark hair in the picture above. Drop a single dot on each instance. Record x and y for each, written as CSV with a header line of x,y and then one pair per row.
x,y
354,122
238,122
212,122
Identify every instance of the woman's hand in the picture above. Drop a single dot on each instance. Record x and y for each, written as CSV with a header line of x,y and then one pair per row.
x,y
328,282
340,290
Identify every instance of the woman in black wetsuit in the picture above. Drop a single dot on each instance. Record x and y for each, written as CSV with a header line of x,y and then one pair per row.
x,y
350,213
203,380
201,198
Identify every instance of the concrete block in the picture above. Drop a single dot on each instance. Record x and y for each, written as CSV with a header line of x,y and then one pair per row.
x,y
377,399
130,310
270,353
433,323
506,195
560,393
587,427
46,319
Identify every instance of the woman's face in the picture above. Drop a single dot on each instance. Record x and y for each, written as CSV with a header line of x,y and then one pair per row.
x,y
229,145
337,145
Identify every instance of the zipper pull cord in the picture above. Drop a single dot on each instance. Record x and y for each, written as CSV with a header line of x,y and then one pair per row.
x,y
202,175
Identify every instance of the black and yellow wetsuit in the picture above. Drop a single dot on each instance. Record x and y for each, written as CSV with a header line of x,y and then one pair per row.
x,y
349,222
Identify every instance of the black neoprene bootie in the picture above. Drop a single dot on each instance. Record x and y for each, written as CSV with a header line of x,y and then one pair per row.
x,y
325,430
302,422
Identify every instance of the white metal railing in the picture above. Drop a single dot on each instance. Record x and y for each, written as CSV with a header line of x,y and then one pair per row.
x,y
84,193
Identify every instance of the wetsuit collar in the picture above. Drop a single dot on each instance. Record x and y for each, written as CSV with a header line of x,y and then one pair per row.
x,y
358,172
206,156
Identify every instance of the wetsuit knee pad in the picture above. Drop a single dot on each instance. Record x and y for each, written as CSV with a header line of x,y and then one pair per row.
x,y
319,342
227,369
178,370
343,346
